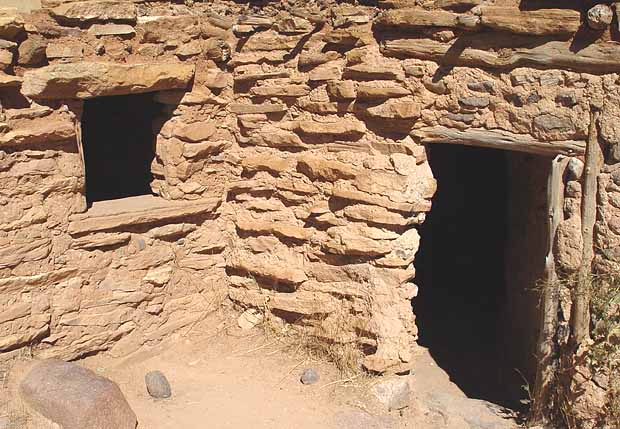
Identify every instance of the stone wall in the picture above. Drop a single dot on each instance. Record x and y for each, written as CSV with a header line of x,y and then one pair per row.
x,y
290,164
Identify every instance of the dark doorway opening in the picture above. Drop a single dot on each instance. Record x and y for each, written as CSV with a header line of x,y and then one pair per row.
x,y
119,146
471,306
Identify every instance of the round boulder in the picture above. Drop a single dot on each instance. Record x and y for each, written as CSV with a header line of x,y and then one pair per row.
x,y
75,397
157,385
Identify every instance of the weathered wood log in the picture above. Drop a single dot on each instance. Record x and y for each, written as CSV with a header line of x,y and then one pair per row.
x,y
580,312
416,17
541,22
497,139
471,50
550,294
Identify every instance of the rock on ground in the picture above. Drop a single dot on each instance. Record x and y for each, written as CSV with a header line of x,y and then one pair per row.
x,y
75,397
309,376
157,385
394,393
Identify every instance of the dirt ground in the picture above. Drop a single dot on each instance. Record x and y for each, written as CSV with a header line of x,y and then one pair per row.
x,y
225,378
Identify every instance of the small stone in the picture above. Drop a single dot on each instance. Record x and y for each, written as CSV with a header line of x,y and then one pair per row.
x,y
521,79
249,318
466,118
437,87
483,86
575,168
468,21
141,243
157,385
600,16
550,122
99,30
309,376
614,153
100,49
414,70
532,98
6,59
566,98
394,393
341,89
551,78
63,50
444,36
32,51
474,102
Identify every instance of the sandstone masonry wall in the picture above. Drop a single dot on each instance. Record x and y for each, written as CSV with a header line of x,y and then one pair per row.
x,y
290,164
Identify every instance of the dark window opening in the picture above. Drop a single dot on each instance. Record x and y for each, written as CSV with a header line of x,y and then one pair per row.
x,y
119,146
482,250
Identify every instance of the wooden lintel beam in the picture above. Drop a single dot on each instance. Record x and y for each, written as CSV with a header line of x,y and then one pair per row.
x,y
498,139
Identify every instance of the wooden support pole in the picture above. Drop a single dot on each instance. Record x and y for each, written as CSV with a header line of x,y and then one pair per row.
x,y
550,294
580,313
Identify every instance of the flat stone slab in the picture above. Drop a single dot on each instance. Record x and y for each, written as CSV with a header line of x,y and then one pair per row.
x,y
111,30
75,397
87,11
93,79
107,215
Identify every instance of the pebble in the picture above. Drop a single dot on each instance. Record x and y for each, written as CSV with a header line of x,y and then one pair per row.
x,y
309,376
157,385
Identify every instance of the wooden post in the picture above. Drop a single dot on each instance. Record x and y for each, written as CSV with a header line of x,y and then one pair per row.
x,y
580,313
550,295
78,110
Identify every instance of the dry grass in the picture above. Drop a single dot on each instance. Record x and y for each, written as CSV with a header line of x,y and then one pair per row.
x,y
325,339
600,357
604,354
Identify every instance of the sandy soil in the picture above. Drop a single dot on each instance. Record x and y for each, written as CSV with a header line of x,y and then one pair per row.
x,y
230,378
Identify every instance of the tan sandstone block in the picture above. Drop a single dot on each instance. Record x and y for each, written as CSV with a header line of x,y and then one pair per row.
x,y
85,11
88,79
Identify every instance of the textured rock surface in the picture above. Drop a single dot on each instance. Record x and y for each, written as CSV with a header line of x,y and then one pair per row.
x,y
293,142
75,397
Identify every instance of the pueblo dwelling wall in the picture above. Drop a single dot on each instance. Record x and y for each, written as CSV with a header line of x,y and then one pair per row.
x,y
290,170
